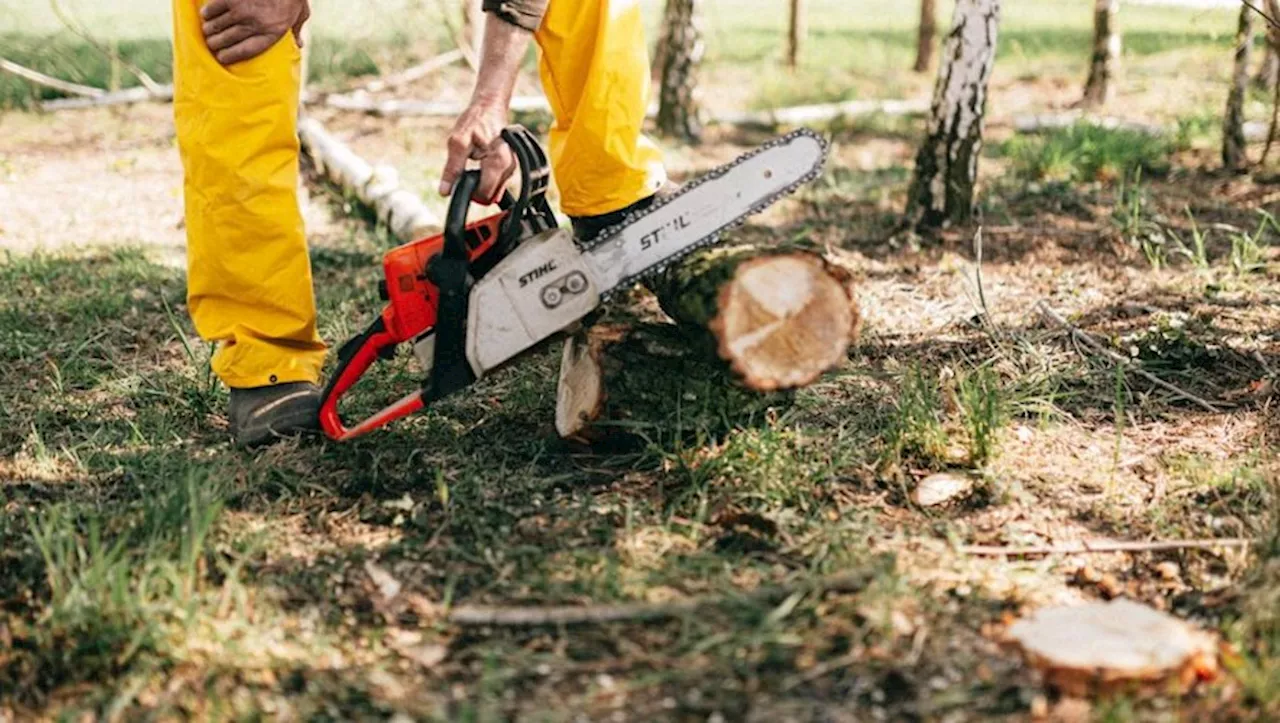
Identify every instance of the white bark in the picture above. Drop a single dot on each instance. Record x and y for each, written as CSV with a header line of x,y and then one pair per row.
x,y
162,94
378,187
1106,53
947,165
1234,150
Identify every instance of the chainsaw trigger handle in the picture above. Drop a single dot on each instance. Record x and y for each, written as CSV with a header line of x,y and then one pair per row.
x,y
354,359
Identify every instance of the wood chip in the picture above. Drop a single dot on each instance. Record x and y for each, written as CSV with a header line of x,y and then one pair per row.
x,y
1121,646
941,488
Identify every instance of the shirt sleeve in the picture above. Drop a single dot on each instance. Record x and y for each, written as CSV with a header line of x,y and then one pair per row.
x,y
525,14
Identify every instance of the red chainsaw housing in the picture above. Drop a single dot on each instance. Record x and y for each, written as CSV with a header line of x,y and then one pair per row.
x,y
410,313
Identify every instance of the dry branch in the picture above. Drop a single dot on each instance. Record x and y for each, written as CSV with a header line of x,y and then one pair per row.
x,y
1094,345
39,78
1103,546
414,73
378,187
74,26
777,317
162,94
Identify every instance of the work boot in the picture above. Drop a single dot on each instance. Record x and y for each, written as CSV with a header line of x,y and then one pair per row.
x,y
263,415
587,228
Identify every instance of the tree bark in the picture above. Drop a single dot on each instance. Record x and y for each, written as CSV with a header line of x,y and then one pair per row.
x,y
678,111
946,170
777,317
1268,69
1106,54
927,39
797,31
1235,154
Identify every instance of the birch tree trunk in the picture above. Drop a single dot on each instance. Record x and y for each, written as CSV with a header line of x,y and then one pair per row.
x,y
678,111
797,30
1106,54
927,40
947,165
1234,146
1268,69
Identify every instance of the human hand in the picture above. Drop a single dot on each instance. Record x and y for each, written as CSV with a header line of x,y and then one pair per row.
x,y
477,136
239,30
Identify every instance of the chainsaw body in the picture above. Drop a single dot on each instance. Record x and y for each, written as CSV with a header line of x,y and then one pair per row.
x,y
479,296
427,285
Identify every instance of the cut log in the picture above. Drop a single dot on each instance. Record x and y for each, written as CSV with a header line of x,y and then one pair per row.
x,y
378,187
777,317
1116,647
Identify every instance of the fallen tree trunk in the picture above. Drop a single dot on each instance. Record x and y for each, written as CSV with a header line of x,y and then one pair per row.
x,y
778,317
377,187
47,81
823,112
361,102
162,94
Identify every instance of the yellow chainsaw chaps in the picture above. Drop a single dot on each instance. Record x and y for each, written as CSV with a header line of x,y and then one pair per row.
x,y
248,272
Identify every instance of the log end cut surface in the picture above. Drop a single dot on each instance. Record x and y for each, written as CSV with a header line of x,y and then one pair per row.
x,y
783,321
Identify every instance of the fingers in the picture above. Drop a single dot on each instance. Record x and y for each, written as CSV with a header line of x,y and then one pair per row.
x,y
215,8
496,169
459,151
246,49
228,38
217,23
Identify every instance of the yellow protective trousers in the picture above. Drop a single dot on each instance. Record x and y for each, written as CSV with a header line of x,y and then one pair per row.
x,y
248,272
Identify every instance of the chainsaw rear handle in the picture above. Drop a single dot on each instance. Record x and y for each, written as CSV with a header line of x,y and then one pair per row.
x,y
451,272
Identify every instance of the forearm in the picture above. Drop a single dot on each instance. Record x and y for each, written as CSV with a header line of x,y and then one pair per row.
x,y
504,49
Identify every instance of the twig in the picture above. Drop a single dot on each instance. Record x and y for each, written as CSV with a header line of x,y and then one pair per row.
x,y
414,73
470,54
74,26
1082,337
1259,11
521,617
50,82
1103,546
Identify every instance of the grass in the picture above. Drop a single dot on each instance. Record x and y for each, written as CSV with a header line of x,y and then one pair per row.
x,y
1086,153
148,570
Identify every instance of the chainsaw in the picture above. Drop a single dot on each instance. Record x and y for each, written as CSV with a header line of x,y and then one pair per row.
x,y
479,296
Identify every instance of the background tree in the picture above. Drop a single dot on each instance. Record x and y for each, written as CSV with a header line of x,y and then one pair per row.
x,y
947,164
927,38
682,49
1234,148
797,31
473,26
1106,53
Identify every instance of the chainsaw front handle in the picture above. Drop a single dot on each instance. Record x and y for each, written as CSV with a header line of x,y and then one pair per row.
x,y
427,284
